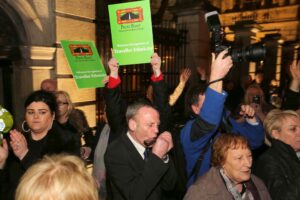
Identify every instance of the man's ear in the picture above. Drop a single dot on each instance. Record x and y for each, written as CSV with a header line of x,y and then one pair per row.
x,y
195,109
275,134
132,124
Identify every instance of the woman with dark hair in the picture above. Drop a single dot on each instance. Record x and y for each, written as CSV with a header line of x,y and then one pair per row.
x,y
230,175
40,136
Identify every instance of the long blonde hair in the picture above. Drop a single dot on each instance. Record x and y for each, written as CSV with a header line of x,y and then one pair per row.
x,y
68,99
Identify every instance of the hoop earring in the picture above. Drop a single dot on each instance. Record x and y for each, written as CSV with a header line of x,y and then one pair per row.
x,y
23,127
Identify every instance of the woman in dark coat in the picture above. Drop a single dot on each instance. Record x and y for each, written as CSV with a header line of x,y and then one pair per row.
x,y
41,135
279,166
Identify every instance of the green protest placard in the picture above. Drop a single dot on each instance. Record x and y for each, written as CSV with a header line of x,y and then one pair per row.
x,y
131,31
85,63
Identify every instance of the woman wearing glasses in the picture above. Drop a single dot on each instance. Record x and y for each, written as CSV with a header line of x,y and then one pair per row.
x,y
74,121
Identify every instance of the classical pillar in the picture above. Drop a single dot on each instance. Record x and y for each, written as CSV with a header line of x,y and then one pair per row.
x,y
75,20
272,65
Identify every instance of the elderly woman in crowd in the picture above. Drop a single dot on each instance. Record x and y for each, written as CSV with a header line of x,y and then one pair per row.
x,y
40,136
230,177
62,177
279,166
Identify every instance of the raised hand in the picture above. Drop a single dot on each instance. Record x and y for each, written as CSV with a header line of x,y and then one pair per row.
x,y
258,111
185,75
156,64
295,70
248,112
18,143
113,65
3,153
105,80
295,76
220,66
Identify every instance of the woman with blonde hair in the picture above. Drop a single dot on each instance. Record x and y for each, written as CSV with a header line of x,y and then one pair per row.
x,y
279,166
65,106
74,120
59,177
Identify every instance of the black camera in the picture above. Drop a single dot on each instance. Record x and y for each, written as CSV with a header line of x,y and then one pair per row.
x,y
255,52
256,99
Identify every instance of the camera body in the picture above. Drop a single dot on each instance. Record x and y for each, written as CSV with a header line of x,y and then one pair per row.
x,y
255,52
256,99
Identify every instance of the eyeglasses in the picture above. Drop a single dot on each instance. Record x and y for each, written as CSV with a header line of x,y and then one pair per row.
x,y
62,103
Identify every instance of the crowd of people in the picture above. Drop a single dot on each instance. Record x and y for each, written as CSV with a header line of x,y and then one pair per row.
x,y
249,151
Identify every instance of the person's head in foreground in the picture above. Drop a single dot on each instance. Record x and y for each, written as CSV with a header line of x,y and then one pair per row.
x,y
57,177
284,125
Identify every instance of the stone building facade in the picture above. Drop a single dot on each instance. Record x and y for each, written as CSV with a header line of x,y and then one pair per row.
x,y
30,49
276,23
31,31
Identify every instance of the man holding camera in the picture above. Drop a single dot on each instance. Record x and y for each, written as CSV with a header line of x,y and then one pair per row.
x,y
206,106
137,162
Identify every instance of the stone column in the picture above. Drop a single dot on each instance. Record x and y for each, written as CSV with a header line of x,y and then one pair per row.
x,y
75,20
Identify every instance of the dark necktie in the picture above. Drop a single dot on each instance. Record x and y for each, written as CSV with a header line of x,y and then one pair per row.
x,y
147,153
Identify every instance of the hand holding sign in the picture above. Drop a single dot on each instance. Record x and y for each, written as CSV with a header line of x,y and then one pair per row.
x,y
113,66
131,31
156,64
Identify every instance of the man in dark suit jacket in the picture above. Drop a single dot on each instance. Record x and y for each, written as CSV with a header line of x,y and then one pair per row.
x,y
132,174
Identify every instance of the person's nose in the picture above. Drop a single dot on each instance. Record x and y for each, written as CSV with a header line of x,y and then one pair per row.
x,y
298,131
36,115
248,162
156,129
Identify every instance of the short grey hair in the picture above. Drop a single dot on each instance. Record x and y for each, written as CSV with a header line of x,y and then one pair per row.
x,y
135,107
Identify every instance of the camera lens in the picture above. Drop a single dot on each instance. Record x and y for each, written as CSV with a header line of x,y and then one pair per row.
x,y
254,52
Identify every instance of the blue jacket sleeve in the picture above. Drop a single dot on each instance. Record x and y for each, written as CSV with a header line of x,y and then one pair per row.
x,y
254,133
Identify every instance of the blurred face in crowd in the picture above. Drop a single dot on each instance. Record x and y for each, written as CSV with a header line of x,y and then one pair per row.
x,y
62,104
39,118
49,85
237,165
289,132
197,108
144,125
259,78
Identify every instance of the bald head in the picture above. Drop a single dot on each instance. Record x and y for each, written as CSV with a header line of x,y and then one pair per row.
x,y
49,85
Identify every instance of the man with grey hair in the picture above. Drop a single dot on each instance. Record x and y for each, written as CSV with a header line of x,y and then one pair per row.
x,y
137,162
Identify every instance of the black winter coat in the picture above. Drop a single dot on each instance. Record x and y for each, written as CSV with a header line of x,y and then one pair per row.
x,y
279,168
56,141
